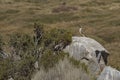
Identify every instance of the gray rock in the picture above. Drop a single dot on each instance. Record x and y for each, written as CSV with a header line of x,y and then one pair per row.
x,y
109,73
84,48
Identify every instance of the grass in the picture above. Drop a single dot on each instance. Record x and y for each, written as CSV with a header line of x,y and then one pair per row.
x,y
94,3
53,18
99,18
64,70
12,11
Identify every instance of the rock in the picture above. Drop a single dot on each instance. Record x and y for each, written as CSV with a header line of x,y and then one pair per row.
x,y
84,48
109,73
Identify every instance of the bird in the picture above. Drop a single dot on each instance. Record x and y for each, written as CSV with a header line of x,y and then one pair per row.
x,y
80,31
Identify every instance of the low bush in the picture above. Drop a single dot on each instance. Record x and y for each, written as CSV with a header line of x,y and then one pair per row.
x,y
57,36
6,68
49,59
28,49
21,43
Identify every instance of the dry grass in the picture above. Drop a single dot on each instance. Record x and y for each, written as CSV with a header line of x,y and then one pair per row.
x,y
64,70
99,17
114,59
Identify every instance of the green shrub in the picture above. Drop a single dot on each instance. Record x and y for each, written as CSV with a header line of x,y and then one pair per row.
x,y
6,68
49,59
57,36
21,42
24,46
25,68
38,34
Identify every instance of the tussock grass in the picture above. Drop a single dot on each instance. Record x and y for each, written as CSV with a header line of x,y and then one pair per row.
x,y
64,70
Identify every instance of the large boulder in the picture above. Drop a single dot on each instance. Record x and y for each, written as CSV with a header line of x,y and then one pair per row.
x,y
87,50
109,73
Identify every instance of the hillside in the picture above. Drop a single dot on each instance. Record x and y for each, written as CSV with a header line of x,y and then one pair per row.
x,y
99,18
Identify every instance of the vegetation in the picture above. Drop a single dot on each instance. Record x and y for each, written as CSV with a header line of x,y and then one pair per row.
x,y
49,59
1,43
21,42
25,51
58,37
63,70
78,64
100,18
5,70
